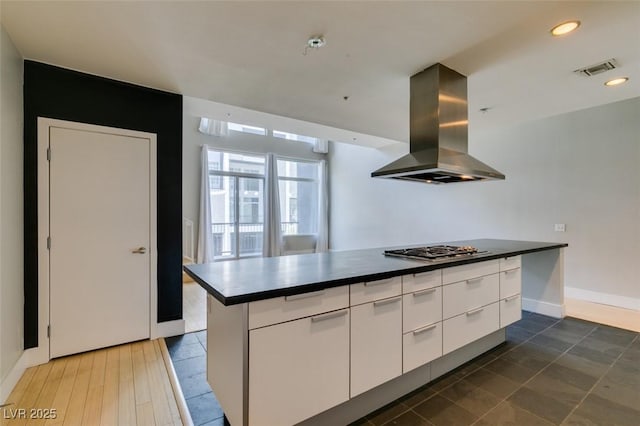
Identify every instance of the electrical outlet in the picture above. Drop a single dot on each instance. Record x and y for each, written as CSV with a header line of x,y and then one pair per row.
x,y
559,227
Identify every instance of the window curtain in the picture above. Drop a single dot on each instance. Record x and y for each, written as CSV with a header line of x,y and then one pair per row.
x,y
322,243
272,234
209,126
205,236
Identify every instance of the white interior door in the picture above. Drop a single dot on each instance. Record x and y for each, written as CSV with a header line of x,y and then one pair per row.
x,y
100,240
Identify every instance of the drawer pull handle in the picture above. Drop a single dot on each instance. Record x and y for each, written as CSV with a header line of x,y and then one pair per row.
x,y
423,274
474,280
329,316
423,292
423,329
387,301
510,298
511,270
377,282
303,296
474,311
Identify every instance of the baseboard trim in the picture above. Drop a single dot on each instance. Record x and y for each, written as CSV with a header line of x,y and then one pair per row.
x,y
543,308
603,298
13,377
168,329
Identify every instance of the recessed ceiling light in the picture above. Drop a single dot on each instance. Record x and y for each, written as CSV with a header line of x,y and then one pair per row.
x,y
616,81
564,28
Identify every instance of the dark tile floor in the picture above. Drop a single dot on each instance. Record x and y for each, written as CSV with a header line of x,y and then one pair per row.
x,y
189,357
549,371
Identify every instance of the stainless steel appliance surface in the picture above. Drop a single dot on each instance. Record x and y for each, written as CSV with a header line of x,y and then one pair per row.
x,y
434,253
438,133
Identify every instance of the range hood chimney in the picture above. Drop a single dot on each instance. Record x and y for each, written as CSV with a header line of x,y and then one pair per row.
x,y
438,135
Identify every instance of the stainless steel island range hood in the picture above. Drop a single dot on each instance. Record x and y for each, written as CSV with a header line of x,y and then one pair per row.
x,y
438,135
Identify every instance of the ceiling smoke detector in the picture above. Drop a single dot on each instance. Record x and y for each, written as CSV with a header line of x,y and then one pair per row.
x,y
316,42
592,70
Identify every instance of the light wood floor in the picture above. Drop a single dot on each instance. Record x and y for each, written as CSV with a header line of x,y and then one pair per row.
x,y
604,314
124,385
194,307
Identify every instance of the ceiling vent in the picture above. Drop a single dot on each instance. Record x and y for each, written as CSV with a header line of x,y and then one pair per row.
x,y
598,68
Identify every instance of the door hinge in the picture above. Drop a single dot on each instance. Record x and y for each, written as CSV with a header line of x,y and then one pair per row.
x,y
48,243
49,331
48,154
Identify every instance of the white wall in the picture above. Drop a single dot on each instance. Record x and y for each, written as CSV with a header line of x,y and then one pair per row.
x,y
11,208
581,169
192,141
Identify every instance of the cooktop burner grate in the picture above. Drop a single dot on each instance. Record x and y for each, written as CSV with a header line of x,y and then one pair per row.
x,y
434,252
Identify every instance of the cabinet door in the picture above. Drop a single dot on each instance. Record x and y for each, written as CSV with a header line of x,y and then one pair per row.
x,y
421,346
421,281
470,294
510,310
472,325
303,363
510,283
421,308
375,290
376,343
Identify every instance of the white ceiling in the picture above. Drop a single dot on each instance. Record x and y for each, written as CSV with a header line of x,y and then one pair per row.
x,y
250,54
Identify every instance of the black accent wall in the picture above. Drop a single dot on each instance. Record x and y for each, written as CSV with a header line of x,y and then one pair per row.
x,y
59,93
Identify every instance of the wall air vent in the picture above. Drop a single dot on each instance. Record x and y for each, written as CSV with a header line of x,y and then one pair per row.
x,y
598,68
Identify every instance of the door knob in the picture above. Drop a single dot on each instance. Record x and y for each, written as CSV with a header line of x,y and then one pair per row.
x,y
139,250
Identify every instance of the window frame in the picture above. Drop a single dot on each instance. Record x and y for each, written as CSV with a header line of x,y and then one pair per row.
x,y
235,176
299,179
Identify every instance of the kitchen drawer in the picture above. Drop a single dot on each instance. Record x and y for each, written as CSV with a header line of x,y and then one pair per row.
x,y
421,346
510,310
421,308
375,290
281,309
421,281
467,295
510,282
512,262
464,272
472,325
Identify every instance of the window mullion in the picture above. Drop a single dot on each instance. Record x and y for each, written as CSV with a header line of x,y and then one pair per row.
x,y
236,195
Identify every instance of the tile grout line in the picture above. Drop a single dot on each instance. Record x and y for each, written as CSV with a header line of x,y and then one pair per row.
x,y
438,392
538,373
446,387
600,378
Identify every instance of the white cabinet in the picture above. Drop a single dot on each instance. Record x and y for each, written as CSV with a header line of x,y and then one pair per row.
x,y
472,270
470,303
510,283
303,364
469,294
421,281
375,290
420,346
281,309
472,325
512,262
421,320
376,343
420,308
510,310
510,290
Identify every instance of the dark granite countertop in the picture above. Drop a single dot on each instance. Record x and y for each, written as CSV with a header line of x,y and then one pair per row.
x,y
247,280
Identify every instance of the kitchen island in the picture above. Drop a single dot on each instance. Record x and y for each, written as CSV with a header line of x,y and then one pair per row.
x,y
326,338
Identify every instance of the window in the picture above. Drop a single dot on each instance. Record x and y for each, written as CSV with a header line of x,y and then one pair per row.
x,y
299,193
294,137
237,196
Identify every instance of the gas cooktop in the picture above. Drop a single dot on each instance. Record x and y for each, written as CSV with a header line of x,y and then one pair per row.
x,y
435,252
